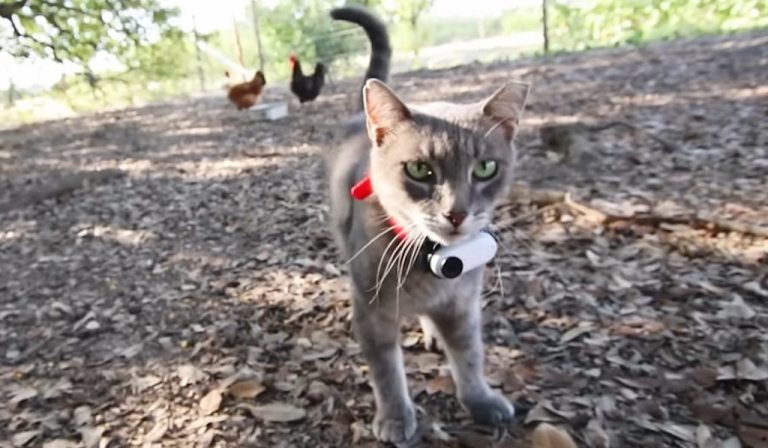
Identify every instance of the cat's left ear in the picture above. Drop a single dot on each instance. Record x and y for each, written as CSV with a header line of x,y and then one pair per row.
x,y
383,110
505,107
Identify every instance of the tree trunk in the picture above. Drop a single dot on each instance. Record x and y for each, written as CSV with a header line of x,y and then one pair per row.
x,y
257,30
545,22
11,93
239,47
198,54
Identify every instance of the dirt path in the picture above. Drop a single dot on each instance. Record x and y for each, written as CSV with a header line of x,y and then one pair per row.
x,y
194,298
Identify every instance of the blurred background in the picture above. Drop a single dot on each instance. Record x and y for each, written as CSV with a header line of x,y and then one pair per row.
x,y
61,58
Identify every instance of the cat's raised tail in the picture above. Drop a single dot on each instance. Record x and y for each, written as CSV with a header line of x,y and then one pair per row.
x,y
381,50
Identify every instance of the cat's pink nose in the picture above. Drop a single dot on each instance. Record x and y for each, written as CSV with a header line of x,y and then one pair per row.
x,y
455,218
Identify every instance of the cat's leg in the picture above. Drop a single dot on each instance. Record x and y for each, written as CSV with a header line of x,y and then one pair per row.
x,y
378,334
460,328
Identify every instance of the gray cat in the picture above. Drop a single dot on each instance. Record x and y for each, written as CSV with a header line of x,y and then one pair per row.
x,y
436,171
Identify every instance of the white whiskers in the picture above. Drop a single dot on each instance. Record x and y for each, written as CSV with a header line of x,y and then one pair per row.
x,y
391,261
368,244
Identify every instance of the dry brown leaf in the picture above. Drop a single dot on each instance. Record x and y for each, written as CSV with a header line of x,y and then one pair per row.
x,y
325,354
132,351
596,435
755,287
511,381
22,438
82,415
190,374
549,436
704,438
235,376
684,433
318,391
211,402
644,422
157,432
57,388
275,412
22,393
91,436
744,369
60,443
716,415
427,362
704,376
439,433
246,389
575,332
638,328
541,413
747,370
442,384
736,309
410,340
205,421
360,431
142,383
638,383
753,437
206,439
526,370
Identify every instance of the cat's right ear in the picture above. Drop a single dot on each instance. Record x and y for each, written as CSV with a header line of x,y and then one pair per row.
x,y
505,107
383,110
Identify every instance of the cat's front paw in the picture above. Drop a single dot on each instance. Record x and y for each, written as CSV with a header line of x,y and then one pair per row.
x,y
395,428
489,408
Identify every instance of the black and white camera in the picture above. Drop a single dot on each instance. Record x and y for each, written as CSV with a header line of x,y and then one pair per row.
x,y
463,256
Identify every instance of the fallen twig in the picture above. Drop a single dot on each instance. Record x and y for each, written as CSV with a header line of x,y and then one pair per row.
x,y
523,194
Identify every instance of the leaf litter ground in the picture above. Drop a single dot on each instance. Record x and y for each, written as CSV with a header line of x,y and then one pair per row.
x,y
178,286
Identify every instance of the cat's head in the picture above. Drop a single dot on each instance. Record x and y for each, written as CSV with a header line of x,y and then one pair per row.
x,y
438,169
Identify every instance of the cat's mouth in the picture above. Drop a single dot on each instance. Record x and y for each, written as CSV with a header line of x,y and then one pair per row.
x,y
446,235
441,233
453,236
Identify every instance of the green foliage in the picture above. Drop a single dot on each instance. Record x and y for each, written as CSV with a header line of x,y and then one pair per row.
x,y
75,30
508,22
171,57
520,20
614,22
409,13
300,27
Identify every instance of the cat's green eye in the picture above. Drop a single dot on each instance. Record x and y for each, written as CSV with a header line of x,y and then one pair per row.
x,y
485,169
418,171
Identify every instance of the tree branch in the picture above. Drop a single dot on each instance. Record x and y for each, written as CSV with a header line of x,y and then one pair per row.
x,y
8,10
24,35
69,8
64,30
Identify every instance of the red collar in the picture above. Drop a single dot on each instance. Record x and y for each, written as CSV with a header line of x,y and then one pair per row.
x,y
361,190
